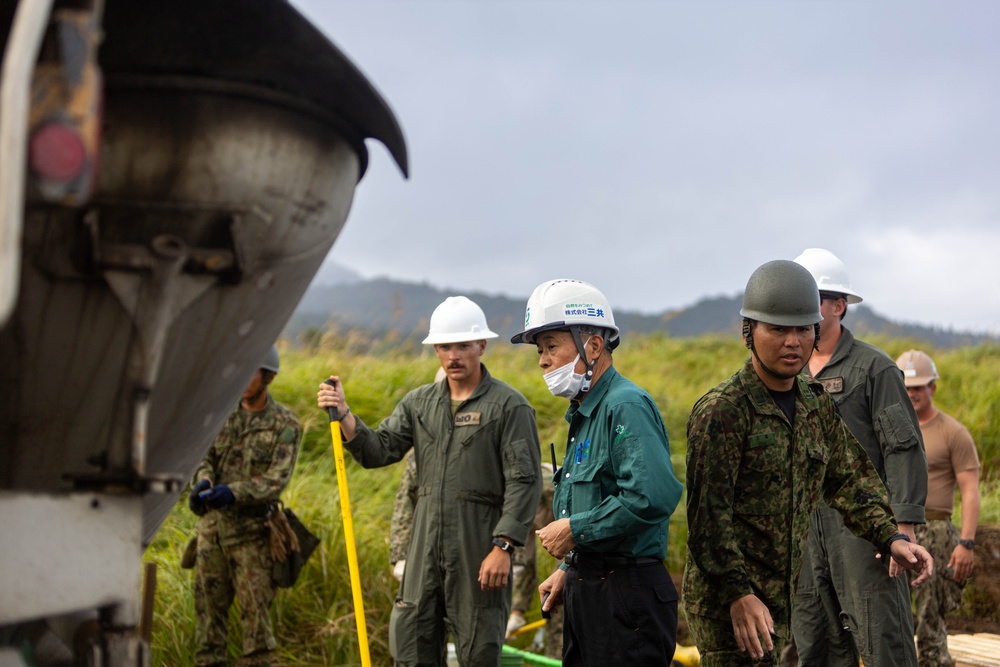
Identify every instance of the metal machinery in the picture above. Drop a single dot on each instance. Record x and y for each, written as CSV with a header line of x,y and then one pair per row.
x,y
172,175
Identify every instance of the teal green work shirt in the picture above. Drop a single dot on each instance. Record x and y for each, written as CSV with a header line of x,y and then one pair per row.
x,y
617,485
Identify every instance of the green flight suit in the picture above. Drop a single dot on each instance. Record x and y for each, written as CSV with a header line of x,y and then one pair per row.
x,y
254,455
846,604
478,477
753,478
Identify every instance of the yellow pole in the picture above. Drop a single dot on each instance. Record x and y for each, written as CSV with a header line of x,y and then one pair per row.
x,y
352,552
528,627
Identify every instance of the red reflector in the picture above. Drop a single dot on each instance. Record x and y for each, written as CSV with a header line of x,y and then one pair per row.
x,y
56,153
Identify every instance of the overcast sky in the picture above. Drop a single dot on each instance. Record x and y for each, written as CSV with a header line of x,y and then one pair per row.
x,y
664,150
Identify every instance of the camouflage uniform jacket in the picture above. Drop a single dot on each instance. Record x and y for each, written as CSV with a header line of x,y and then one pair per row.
x,y
753,480
402,512
254,455
477,471
868,389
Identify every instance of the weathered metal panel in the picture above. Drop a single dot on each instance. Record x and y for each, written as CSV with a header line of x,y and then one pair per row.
x,y
232,139
41,575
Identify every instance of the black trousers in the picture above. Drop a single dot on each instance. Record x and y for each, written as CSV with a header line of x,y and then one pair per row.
x,y
619,612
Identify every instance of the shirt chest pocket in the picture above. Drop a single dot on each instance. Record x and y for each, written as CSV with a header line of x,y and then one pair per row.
x,y
817,454
763,475
260,451
816,461
479,456
477,435
586,488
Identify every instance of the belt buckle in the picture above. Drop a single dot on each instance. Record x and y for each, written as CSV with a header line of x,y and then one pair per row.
x,y
571,559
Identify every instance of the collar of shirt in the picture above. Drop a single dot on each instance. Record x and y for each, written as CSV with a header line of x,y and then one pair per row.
x,y
762,401
843,348
594,397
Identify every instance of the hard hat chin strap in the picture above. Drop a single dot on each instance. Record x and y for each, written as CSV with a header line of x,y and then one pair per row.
x,y
581,347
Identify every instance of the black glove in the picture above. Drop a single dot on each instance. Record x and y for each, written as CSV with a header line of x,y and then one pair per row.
x,y
220,496
196,504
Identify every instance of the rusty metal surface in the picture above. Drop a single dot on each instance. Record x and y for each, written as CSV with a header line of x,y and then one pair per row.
x,y
263,43
232,141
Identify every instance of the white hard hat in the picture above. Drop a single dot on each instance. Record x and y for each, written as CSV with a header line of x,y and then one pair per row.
x,y
457,320
560,304
829,273
918,368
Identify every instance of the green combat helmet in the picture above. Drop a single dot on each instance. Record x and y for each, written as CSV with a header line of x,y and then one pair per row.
x,y
271,360
783,293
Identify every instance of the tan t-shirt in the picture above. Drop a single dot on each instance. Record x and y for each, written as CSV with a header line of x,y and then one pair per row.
x,y
950,449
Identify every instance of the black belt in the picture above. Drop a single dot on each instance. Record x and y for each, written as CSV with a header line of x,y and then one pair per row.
x,y
607,561
254,511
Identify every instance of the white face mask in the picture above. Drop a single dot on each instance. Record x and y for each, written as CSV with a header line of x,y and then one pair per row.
x,y
565,381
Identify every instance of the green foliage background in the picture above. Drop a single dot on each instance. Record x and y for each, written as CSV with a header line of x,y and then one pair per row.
x,y
314,621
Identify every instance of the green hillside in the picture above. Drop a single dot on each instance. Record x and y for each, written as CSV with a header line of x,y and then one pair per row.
x,y
314,621
401,310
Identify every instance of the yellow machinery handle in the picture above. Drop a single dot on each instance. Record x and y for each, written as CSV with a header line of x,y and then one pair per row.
x,y
352,551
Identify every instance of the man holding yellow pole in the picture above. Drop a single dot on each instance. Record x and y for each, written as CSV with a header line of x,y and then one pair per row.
x,y
478,465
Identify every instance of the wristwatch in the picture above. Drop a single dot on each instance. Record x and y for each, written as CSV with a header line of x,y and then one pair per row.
x,y
897,536
504,544
968,544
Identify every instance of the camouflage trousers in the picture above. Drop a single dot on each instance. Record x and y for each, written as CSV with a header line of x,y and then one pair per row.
x,y
526,591
717,644
243,572
937,597
525,574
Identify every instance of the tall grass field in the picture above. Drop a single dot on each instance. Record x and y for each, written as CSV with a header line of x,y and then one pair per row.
x,y
314,621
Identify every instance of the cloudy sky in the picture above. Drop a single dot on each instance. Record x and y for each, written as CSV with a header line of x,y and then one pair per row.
x,y
663,150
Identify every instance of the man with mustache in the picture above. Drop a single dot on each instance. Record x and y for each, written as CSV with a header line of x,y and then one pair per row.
x,y
478,480
764,448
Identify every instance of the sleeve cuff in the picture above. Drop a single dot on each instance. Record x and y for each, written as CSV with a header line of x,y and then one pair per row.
x,y
908,513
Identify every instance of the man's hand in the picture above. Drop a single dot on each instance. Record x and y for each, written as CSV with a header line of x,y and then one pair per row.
x,y
332,396
751,622
557,538
494,570
912,557
961,561
196,504
551,590
218,497
895,569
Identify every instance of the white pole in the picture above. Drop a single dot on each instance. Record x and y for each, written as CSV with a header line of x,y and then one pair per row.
x,y
26,33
